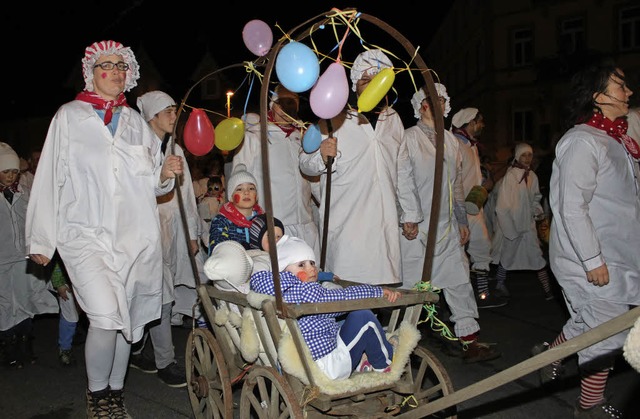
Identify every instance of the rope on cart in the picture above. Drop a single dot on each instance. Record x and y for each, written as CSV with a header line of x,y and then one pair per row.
x,y
435,323
309,393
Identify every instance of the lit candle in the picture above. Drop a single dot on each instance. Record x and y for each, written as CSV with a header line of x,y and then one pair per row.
x,y
229,94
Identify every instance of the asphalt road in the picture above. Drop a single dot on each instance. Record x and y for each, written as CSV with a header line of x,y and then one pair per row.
x,y
47,390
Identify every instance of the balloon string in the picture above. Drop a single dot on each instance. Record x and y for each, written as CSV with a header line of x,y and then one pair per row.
x,y
223,115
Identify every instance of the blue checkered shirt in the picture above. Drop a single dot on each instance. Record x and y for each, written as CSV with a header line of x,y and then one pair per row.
x,y
320,331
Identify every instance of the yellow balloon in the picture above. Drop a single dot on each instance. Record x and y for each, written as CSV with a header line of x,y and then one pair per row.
x,y
229,134
376,90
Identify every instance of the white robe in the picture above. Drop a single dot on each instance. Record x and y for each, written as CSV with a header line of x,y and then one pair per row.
x,y
515,242
363,238
176,259
94,200
416,163
594,196
22,294
290,191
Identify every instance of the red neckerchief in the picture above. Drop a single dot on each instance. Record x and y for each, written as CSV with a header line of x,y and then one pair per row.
x,y
527,169
464,133
616,130
13,187
99,103
236,217
288,129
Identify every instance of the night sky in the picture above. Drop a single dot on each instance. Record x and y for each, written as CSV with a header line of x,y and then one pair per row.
x,y
44,42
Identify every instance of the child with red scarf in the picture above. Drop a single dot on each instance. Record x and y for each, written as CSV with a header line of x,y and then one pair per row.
x,y
234,219
515,244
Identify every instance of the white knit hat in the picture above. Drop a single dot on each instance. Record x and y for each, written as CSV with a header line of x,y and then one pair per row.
x,y
9,159
291,250
239,176
97,49
464,116
152,103
419,96
521,148
229,267
368,62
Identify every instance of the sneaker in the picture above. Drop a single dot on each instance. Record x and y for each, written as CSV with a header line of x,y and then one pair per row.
x,y
173,375
548,373
602,410
142,363
486,300
479,352
116,405
66,357
98,404
365,366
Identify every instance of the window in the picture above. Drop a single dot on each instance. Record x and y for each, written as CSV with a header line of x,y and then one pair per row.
x,y
629,28
571,35
522,123
522,47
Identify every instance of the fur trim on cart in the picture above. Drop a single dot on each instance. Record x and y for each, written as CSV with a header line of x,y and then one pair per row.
x,y
632,346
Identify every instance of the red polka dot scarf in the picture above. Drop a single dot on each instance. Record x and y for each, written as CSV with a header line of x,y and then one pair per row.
x,y
617,130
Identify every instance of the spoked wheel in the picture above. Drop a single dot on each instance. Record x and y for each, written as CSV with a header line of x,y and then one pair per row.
x,y
430,380
267,395
208,380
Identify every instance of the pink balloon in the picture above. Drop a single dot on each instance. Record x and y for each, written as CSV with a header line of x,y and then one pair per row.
x,y
330,93
257,37
199,134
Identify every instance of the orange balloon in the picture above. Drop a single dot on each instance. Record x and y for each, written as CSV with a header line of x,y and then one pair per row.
x,y
199,134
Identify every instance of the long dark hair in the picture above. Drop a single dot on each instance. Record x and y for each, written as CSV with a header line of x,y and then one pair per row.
x,y
587,82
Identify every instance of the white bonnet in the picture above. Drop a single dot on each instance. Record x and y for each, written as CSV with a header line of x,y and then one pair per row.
x,y
464,116
368,62
239,175
522,148
419,96
229,267
291,250
97,49
9,159
154,102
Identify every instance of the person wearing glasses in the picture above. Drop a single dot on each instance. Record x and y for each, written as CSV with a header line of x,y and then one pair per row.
x,y
94,201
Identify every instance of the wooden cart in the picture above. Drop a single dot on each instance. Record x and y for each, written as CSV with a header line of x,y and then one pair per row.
x,y
418,387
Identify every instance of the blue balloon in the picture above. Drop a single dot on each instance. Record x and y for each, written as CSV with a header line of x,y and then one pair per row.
x,y
311,139
297,67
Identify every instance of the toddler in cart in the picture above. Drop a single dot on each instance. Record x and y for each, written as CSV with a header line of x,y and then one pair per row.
x,y
340,342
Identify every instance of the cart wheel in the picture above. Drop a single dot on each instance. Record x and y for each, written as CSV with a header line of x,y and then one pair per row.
x,y
208,381
430,380
266,394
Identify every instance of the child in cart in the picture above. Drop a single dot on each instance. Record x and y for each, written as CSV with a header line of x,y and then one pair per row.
x,y
234,218
340,343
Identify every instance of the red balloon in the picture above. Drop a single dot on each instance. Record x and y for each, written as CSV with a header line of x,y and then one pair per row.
x,y
199,134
